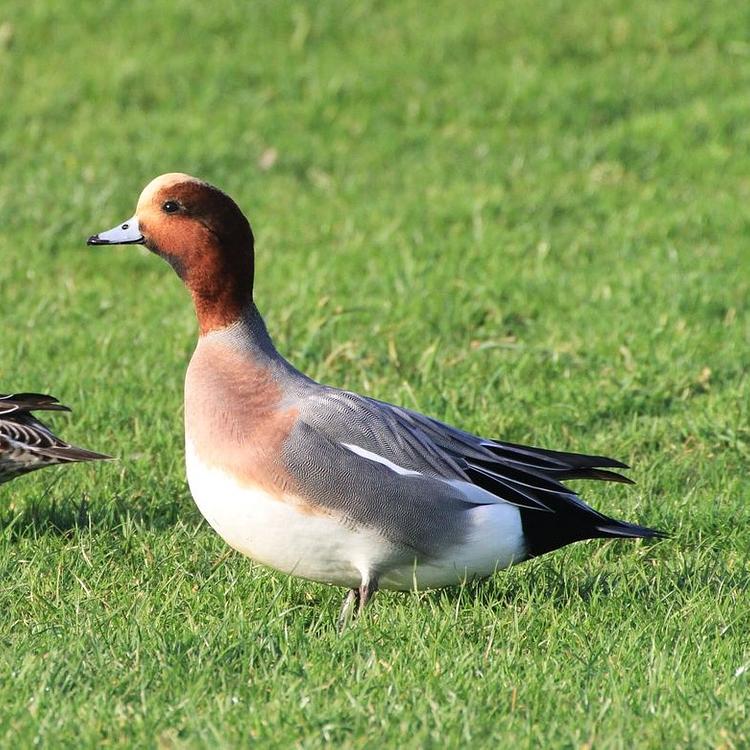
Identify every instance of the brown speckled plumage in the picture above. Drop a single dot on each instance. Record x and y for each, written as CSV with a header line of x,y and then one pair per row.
x,y
27,444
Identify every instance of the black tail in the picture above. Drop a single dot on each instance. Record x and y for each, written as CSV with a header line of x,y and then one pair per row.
x,y
545,532
623,530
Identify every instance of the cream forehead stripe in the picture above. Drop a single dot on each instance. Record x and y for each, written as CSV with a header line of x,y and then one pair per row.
x,y
164,181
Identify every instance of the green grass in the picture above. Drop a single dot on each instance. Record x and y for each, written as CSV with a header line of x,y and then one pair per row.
x,y
528,219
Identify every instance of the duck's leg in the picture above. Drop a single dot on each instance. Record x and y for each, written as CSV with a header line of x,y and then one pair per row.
x,y
366,592
356,598
347,608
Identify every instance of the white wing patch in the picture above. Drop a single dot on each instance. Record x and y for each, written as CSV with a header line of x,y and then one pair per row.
x,y
473,493
381,460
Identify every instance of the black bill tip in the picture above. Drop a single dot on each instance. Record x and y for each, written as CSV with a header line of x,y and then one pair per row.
x,y
95,239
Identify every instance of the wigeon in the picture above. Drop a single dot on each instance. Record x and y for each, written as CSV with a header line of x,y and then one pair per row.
x,y
26,444
330,485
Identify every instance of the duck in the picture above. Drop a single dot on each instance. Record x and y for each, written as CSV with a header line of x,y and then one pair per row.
x,y
326,484
27,444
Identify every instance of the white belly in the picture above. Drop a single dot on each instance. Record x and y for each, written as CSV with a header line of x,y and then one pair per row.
x,y
281,533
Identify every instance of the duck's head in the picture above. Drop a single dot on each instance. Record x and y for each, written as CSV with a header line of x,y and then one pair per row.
x,y
201,232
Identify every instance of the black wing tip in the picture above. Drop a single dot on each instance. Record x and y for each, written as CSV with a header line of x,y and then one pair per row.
x,y
601,475
29,402
610,463
562,458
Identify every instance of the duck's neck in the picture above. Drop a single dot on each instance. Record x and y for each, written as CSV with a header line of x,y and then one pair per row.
x,y
247,335
220,281
247,332
219,306
246,341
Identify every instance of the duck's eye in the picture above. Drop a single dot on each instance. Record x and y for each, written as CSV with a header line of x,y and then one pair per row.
x,y
170,207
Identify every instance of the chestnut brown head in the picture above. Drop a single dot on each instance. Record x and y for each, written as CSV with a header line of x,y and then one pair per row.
x,y
201,232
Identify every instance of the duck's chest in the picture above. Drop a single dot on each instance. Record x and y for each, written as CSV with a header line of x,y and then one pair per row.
x,y
234,418
235,430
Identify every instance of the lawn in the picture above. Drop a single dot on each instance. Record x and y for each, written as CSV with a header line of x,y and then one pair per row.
x,y
530,220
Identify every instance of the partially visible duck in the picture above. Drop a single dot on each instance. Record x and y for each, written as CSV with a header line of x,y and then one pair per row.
x,y
327,484
26,444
